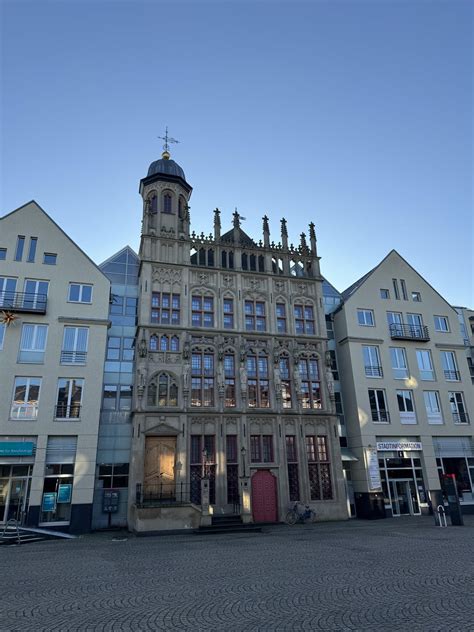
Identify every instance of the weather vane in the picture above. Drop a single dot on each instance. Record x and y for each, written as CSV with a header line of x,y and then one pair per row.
x,y
168,140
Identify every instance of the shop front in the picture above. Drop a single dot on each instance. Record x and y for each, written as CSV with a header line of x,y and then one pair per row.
x,y
16,467
455,455
401,477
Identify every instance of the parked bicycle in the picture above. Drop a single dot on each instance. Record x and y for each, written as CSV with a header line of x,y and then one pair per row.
x,y
294,515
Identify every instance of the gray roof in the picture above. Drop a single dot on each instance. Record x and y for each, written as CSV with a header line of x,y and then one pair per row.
x,y
352,288
243,238
167,167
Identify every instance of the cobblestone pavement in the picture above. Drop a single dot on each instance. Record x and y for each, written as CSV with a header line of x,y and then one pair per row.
x,y
403,574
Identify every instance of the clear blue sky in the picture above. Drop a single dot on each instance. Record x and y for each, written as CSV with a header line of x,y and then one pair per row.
x,y
354,115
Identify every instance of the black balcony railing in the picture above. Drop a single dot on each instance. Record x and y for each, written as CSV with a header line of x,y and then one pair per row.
x,y
461,418
28,302
403,331
73,357
453,376
373,371
162,494
382,416
63,411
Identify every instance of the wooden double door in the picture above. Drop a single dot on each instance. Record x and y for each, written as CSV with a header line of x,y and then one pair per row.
x,y
264,497
160,466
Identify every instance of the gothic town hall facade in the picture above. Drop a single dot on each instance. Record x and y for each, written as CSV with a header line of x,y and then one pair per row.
x,y
233,408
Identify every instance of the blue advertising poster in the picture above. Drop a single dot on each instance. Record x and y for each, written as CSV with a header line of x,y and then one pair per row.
x,y
49,501
64,493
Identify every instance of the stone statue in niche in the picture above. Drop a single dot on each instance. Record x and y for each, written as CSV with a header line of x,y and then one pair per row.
x,y
142,349
277,380
220,376
243,379
186,350
297,378
186,374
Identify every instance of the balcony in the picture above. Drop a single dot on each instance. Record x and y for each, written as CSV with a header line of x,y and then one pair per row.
x,y
452,376
63,411
26,302
460,418
403,331
73,357
381,416
373,371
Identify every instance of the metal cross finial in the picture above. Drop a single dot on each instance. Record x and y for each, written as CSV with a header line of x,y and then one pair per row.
x,y
167,140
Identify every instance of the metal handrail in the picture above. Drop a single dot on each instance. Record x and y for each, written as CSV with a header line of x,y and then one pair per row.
x,y
405,330
15,521
23,301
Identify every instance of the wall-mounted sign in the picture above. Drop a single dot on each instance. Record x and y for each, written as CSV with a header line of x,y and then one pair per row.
x,y
401,446
373,472
17,448
64,493
49,502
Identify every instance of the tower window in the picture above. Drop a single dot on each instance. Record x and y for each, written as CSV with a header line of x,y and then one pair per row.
x,y
167,207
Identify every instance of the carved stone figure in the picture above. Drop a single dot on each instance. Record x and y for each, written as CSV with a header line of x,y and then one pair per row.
x,y
186,373
277,380
186,350
328,359
297,378
220,377
142,350
243,379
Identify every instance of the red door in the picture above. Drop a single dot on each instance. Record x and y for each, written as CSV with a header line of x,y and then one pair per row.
x,y
264,497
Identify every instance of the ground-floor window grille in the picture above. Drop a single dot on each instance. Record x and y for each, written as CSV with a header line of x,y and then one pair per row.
x,y
319,468
203,463
233,497
292,461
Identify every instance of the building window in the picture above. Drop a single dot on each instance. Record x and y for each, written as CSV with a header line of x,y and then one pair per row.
x,y
308,370
425,364
450,367
74,350
202,311
441,323
372,364
120,349
406,407
58,479
378,405
3,254
365,317
2,334
433,407
329,327
165,308
33,343
7,291
50,258
334,370
384,293
20,244
261,449
69,399
202,379
255,319
416,296
319,468
35,294
395,289
153,203
399,363
32,249
458,408
167,203
26,394
284,366
228,313
292,465
203,463
257,372
80,293
404,290
163,390
395,322
117,397
229,377
113,475
304,319
233,496
281,318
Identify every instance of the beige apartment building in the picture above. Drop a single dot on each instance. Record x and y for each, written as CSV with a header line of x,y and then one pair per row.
x,y
54,316
234,410
406,386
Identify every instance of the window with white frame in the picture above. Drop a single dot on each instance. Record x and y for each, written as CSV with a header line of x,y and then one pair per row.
x,y
74,349
69,398
441,323
384,293
450,367
26,392
406,406
80,293
416,296
394,320
7,291
433,407
425,364
399,363
378,405
371,358
458,407
365,317
416,325
2,334
33,343
35,294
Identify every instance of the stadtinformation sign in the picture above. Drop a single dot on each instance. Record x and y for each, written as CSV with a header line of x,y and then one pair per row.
x,y
400,446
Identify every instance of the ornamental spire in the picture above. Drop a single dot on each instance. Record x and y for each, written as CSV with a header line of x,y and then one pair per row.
x,y
166,147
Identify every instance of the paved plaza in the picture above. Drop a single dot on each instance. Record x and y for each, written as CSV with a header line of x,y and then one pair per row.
x,y
403,574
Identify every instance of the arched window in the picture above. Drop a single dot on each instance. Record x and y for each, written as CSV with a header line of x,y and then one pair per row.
x,y
202,256
224,259
164,343
310,382
153,202
231,260
253,263
153,343
210,257
261,263
167,203
257,375
245,261
174,345
163,390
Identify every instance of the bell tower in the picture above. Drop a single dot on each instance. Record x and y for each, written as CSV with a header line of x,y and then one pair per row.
x,y
166,219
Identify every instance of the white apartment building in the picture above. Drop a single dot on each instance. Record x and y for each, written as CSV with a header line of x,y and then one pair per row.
x,y
54,305
406,387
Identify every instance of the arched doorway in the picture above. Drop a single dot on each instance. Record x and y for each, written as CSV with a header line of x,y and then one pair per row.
x,y
264,497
